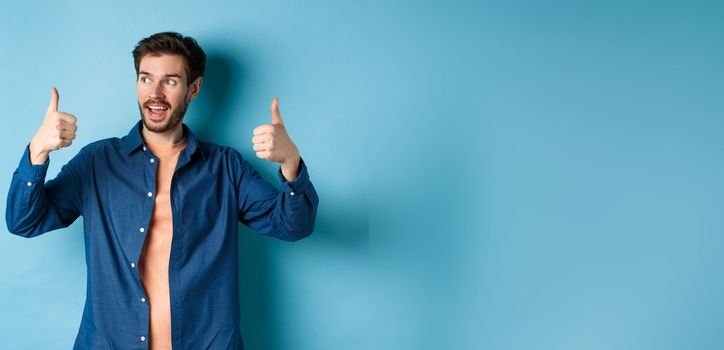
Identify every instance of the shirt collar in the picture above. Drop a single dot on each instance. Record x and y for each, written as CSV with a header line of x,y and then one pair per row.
x,y
133,141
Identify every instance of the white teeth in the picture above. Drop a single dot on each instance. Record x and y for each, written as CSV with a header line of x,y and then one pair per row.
x,y
157,107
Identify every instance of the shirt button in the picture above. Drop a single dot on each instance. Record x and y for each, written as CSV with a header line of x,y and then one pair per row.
x,y
133,265
142,229
152,160
144,148
30,183
143,338
143,300
291,193
150,194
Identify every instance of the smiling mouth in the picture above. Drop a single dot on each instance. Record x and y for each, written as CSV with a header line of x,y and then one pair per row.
x,y
156,110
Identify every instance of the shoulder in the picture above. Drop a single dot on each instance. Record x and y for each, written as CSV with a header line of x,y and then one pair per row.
x,y
223,160
111,142
216,152
101,147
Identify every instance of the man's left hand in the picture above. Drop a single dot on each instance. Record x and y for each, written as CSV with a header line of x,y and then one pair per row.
x,y
271,142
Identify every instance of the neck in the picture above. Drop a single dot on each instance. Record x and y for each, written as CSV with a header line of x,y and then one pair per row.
x,y
169,137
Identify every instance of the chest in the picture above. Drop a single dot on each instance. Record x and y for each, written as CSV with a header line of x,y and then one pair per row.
x,y
143,205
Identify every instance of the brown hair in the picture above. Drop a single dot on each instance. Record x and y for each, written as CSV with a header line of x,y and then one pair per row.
x,y
172,43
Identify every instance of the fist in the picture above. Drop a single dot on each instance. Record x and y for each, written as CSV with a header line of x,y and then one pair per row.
x,y
271,141
57,131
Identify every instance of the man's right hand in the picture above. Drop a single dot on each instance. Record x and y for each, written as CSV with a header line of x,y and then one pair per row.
x,y
57,131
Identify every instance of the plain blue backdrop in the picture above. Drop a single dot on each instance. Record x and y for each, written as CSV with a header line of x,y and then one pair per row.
x,y
492,175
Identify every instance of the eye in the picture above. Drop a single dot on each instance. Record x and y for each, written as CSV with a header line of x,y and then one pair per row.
x,y
170,82
145,80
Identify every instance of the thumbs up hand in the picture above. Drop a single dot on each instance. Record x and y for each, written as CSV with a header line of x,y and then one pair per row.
x,y
271,142
57,131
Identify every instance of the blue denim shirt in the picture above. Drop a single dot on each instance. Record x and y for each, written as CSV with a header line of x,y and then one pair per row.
x,y
212,190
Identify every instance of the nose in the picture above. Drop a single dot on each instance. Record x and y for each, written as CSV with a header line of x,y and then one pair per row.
x,y
156,92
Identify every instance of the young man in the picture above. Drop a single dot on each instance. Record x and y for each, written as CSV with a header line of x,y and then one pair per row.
x,y
161,210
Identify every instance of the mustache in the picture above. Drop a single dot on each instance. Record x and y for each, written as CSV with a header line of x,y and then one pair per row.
x,y
156,102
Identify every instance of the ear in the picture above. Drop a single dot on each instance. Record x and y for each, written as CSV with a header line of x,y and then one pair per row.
x,y
194,88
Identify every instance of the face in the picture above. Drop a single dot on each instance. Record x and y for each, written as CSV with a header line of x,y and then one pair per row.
x,y
163,91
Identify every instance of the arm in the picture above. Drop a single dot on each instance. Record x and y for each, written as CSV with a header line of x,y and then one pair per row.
x,y
288,214
35,207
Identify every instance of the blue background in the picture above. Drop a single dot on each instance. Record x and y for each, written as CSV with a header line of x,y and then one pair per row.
x,y
492,175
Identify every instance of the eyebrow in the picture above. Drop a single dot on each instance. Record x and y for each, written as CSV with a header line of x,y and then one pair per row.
x,y
169,75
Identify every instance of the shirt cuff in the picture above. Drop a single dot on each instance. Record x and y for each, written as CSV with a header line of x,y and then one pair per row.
x,y
299,184
29,172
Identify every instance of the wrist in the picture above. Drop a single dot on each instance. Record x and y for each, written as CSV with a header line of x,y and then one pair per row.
x,y
290,168
292,162
35,149
37,155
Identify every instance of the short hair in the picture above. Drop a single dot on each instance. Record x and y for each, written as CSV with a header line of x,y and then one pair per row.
x,y
173,43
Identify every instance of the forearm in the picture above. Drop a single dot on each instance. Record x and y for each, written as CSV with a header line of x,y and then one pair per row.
x,y
298,204
288,214
26,203
32,208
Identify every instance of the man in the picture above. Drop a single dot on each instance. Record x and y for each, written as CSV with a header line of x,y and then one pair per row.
x,y
160,210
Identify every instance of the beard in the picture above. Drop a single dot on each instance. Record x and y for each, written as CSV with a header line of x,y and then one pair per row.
x,y
176,117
